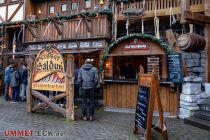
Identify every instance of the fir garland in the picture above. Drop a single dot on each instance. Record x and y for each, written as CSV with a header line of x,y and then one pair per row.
x,y
107,12
162,43
2,41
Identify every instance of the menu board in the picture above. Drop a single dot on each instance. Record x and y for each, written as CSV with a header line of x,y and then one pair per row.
x,y
153,60
142,107
175,68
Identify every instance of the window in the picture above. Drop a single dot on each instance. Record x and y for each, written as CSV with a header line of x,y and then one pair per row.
x,y
87,3
63,7
74,6
1,1
52,9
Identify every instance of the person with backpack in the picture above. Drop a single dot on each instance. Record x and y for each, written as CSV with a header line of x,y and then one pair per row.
x,y
7,80
14,82
23,81
88,79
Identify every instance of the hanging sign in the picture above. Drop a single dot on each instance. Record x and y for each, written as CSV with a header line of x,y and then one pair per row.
x,y
48,71
136,44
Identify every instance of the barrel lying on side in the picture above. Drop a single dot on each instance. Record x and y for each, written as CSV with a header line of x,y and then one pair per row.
x,y
191,42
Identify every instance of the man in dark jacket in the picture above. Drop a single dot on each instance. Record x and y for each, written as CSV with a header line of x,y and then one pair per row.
x,y
23,81
14,82
7,80
88,79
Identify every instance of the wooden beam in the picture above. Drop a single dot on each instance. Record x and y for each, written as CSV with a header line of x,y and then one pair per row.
x,y
185,6
30,98
196,17
43,105
55,107
70,90
15,12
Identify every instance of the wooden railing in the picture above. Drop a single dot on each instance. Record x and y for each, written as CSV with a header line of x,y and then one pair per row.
x,y
99,28
196,2
161,5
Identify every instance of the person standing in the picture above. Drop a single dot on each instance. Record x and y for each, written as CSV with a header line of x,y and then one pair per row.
x,y
15,78
88,79
23,81
7,80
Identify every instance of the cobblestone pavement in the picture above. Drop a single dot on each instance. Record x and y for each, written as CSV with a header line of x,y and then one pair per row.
x,y
106,126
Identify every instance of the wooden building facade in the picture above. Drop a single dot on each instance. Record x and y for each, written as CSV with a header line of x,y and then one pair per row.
x,y
75,27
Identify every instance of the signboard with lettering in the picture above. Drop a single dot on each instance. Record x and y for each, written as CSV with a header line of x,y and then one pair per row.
x,y
136,44
175,68
153,61
142,107
147,96
71,45
48,71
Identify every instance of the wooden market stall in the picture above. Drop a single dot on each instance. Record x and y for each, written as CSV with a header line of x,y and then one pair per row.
x,y
121,63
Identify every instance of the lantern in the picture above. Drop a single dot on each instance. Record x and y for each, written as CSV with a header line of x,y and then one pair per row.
x,y
101,2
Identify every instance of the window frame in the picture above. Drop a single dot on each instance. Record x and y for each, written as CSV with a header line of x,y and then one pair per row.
x,y
73,8
66,6
51,6
88,5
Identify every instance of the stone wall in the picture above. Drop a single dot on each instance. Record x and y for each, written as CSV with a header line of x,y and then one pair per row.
x,y
195,63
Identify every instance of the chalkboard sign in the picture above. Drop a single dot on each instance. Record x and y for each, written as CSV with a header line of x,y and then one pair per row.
x,y
147,95
175,68
142,107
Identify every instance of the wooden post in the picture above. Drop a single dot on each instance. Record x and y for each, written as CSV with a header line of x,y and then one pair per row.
x,y
115,23
70,89
30,98
207,37
5,38
185,6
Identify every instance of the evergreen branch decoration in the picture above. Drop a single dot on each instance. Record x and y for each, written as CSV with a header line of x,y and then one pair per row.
x,y
163,45
107,12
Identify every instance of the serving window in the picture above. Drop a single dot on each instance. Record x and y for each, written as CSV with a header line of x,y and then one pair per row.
x,y
127,67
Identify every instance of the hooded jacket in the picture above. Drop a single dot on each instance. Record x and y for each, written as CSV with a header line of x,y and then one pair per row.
x,y
14,77
7,75
88,76
23,75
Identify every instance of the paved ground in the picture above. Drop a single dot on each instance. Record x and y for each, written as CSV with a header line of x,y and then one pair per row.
x,y
107,126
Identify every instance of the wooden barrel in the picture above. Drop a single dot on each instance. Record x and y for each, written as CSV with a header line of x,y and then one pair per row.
x,y
191,42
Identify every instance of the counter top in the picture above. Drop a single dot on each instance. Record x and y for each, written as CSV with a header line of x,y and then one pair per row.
x,y
132,81
121,81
